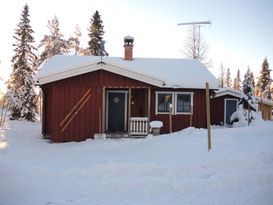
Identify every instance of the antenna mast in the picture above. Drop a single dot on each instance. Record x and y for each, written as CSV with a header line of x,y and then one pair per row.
x,y
196,23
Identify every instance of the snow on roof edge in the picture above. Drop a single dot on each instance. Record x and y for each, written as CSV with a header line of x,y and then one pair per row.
x,y
141,66
227,91
236,93
83,68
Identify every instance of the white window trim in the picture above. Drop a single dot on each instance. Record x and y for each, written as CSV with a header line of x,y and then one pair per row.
x,y
174,103
156,102
184,113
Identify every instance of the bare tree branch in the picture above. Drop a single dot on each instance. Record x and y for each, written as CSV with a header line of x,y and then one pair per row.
x,y
195,46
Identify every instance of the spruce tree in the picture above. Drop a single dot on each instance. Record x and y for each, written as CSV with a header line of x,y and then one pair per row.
x,y
54,43
247,107
21,92
221,76
96,36
237,81
228,81
252,80
249,78
267,94
264,80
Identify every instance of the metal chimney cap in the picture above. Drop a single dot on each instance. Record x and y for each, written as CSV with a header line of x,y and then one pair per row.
x,y
128,39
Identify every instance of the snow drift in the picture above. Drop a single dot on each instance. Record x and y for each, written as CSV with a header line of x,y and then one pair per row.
x,y
167,169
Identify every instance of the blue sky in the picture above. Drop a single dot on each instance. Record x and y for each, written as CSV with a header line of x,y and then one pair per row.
x,y
240,34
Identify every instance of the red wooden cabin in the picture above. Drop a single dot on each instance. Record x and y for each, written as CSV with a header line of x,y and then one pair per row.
x,y
223,105
85,95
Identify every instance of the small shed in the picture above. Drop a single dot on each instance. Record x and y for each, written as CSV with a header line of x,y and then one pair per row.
x,y
225,102
266,108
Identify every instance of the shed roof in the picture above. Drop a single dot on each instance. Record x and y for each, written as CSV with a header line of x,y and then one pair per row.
x,y
228,91
161,72
238,94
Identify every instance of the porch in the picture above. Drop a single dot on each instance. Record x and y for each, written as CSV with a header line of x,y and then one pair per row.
x,y
126,112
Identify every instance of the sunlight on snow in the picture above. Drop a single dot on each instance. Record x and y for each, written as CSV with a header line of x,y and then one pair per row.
x,y
3,145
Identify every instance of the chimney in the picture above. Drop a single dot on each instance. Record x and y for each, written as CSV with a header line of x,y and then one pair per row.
x,y
128,48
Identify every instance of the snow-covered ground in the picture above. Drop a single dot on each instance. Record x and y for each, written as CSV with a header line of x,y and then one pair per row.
x,y
162,170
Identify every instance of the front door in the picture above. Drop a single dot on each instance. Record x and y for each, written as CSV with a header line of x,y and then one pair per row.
x,y
230,108
116,111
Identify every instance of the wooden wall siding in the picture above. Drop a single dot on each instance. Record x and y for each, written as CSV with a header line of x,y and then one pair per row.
x,y
179,121
217,106
85,123
63,95
266,111
102,78
140,99
217,110
47,111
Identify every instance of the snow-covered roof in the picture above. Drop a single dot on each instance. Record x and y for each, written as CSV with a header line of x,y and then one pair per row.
x,y
264,101
175,73
227,91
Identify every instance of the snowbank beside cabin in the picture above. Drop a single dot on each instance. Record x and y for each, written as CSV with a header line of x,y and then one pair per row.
x,y
167,169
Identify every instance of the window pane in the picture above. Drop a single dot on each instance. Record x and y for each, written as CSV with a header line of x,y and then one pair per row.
x,y
183,103
163,102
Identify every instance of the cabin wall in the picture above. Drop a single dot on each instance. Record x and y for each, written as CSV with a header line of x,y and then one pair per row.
x,y
181,121
47,111
139,106
217,109
266,111
64,95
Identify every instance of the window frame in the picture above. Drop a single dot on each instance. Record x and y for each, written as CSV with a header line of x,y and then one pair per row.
x,y
191,103
156,102
174,103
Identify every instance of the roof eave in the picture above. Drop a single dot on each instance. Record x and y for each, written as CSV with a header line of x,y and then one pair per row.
x,y
86,68
220,94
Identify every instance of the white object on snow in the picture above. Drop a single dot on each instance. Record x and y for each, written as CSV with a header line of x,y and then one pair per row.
x,y
100,136
156,124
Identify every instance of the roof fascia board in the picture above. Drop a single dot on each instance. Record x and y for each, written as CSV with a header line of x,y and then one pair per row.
x,y
228,93
132,74
67,74
87,67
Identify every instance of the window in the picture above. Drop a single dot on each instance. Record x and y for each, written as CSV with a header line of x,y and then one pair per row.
x,y
163,102
183,103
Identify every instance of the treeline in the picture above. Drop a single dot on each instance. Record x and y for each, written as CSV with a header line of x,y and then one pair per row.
x,y
21,93
262,85
54,43
26,61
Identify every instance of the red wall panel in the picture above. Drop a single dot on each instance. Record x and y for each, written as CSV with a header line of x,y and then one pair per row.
x,y
218,109
181,121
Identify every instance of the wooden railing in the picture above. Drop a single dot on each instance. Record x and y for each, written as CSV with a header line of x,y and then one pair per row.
x,y
139,126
